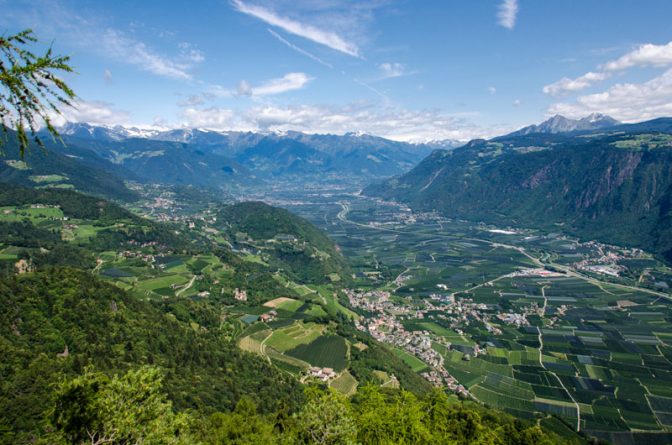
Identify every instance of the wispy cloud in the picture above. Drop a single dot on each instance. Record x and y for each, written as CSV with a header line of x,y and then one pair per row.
x,y
288,82
492,90
298,49
507,14
55,19
307,31
372,89
212,92
394,69
117,45
189,52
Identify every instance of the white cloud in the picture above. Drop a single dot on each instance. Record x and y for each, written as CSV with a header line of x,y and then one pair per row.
x,y
566,84
517,103
288,82
394,69
92,112
627,102
506,16
307,31
391,122
107,75
492,90
624,101
211,118
645,55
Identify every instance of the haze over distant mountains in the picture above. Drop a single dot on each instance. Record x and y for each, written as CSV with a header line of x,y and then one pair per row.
x,y
212,158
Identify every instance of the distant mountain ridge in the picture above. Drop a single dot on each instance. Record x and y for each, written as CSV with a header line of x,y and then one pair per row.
x,y
613,185
561,124
265,155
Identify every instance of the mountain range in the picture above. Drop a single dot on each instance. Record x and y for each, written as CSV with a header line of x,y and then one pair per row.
x,y
213,158
561,124
613,184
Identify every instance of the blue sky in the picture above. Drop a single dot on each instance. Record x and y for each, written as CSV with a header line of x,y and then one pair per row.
x,y
408,70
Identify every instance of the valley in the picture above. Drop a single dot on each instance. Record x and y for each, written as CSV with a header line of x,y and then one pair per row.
x,y
335,223
522,320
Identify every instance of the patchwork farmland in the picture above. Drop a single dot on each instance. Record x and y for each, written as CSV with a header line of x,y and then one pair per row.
x,y
591,349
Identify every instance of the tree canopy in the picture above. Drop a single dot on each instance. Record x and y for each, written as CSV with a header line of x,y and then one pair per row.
x,y
31,91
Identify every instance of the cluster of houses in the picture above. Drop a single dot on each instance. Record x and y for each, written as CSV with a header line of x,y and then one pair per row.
x,y
441,378
517,320
322,374
146,257
370,301
607,260
386,327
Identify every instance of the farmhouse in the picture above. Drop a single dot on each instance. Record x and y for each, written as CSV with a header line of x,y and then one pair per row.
x,y
324,374
269,316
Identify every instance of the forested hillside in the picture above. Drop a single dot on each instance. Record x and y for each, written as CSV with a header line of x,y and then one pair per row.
x,y
65,168
289,241
615,187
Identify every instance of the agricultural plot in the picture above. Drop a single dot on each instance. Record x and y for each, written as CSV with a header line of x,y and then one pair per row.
x,y
41,216
292,336
254,342
47,179
284,303
327,351
345,383
416,364
158,276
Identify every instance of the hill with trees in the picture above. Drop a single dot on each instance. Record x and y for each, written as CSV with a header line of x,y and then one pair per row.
x,y
290,242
